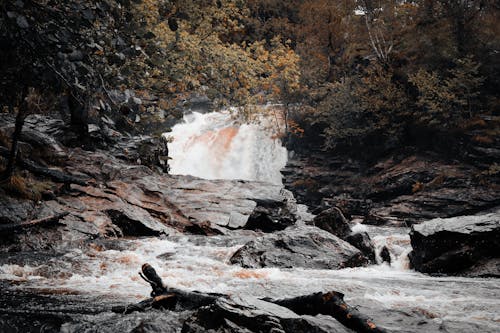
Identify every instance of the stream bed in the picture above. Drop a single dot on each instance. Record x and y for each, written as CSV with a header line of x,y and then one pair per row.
x,y
74,289
397,298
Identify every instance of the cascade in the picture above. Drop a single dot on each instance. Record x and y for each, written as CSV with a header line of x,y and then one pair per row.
x,y
217,146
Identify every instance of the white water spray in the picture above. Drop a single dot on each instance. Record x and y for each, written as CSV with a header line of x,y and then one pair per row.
x,y
215,146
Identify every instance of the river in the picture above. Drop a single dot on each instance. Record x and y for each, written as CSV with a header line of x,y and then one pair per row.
x,y
214,145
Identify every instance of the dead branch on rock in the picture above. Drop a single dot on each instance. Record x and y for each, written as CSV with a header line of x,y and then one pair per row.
x,y
46,221
331,303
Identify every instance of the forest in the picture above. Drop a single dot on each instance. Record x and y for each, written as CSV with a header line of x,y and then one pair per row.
x,y
134,136
394,70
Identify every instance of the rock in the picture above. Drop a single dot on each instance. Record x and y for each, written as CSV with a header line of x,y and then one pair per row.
x,y
454,245
486,268
145,322
249,314
348,205
372,219
362,241
304,246
22,22
385,255
76,55
333,221
398,191
269,216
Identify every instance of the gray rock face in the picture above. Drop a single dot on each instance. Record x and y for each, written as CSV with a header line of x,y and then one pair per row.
x,y
248,314
122,198
306,247
456,244
392,191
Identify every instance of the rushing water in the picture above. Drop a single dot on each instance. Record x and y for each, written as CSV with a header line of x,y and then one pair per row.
x,y
213,145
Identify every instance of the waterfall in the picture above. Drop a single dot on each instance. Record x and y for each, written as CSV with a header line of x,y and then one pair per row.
x,y
217,146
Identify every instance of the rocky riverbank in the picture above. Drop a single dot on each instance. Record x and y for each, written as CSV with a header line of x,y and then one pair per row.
x,y
244,239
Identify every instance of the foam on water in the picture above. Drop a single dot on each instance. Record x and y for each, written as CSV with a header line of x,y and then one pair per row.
x,y
195,263
216,146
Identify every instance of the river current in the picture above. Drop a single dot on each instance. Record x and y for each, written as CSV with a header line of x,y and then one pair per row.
x,y
214,145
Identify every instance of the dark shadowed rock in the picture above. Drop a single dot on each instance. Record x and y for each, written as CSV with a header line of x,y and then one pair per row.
x,y
399,190
270,215
385,255
362,241
306,247
333,221
456,244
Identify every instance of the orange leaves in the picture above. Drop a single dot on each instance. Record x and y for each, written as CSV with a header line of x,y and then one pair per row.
x,y
295,128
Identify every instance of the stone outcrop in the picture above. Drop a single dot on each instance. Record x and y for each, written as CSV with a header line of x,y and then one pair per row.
x,y
393,191
466,245
122,198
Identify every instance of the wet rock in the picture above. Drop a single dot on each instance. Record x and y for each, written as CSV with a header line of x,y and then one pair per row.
x,y
269,216
454,245
385,255
349,206
485,268
146,322
362,241
306,247
372,219
333,221
248,314
397,191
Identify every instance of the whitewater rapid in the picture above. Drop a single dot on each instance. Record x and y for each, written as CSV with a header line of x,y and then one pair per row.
x,y
215,145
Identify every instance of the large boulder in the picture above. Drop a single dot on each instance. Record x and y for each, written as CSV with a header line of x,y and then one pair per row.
x,y
333,221
304,246
455,245
270,215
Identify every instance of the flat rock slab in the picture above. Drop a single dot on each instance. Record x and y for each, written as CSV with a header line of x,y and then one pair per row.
x,y
454,245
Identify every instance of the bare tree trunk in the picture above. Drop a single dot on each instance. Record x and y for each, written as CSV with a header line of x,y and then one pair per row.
x,y
20,117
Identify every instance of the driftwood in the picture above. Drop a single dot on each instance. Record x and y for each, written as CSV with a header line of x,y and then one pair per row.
x,y
53,174
168,298
46,221
331,303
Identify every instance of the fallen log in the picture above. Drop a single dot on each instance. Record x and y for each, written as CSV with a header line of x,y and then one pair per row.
x,y
330,303
55,175
168,298
46,221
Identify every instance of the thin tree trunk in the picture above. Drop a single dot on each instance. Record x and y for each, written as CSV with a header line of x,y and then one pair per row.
x,y
11,164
